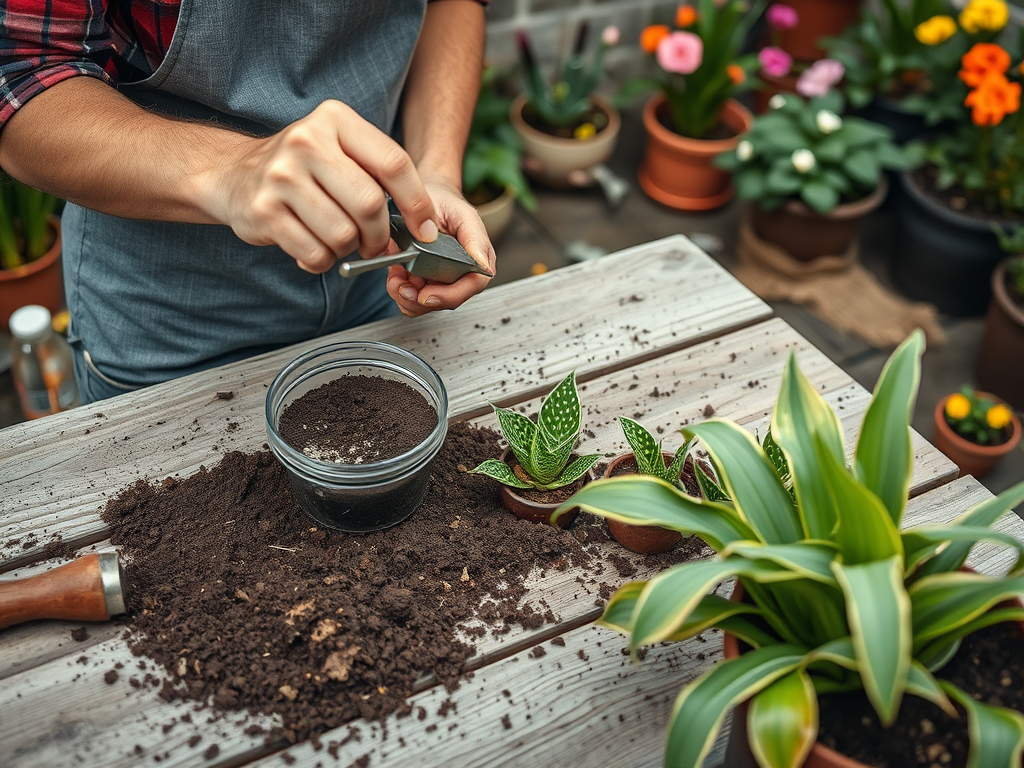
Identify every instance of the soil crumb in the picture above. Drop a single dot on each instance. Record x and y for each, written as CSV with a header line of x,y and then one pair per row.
x,y
80,635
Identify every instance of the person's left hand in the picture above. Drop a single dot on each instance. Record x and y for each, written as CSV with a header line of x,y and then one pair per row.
x,y
416,296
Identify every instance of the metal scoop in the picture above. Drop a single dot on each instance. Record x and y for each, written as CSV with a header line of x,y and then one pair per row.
x,y
443,261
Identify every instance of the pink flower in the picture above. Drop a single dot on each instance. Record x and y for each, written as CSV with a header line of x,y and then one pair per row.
x,y
775,62
782,17
681,52
818,79
610,36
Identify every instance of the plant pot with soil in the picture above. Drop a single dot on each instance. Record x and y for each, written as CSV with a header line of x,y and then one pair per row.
x,y
841,599
563,126
998,368
817,19
975,430
539,469
357,425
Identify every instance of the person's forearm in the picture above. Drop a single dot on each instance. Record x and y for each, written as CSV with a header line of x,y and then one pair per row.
x,y
83,141
441,92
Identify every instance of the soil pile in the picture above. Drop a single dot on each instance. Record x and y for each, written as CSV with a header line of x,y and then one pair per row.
x,y
244,601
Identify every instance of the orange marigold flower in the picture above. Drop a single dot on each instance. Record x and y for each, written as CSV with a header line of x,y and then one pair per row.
x,y
994,98
653,35
998,416
957,406
736,74
685,16
982,59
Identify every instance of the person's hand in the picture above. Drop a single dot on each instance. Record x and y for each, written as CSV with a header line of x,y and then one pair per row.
x,y
416,296
317,189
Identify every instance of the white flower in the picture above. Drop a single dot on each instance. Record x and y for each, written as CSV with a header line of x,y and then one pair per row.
x,y
803,160
828,121
777,101
744,151
610,35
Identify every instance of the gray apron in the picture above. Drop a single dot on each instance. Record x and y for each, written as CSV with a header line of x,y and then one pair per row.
x,y
151,301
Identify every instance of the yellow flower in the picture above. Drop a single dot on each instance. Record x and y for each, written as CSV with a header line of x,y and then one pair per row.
x,y
936,30
539,268
958,407
984,16
998,416
584,132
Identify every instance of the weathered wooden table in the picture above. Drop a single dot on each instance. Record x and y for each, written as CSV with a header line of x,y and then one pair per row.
x,y
662,315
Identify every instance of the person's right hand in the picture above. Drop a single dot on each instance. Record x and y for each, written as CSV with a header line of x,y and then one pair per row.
x,y
317,189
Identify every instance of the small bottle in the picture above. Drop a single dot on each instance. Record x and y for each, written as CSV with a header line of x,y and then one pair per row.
x,y
41,363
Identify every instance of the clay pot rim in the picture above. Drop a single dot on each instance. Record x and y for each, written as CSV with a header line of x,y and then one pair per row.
x,y
733,114
40,264
515,114
990,451
500,201
945,213
844,211
623,457
547,506
1002,295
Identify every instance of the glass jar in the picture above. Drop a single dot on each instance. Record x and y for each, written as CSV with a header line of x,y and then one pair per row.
x,y
41,364
357,498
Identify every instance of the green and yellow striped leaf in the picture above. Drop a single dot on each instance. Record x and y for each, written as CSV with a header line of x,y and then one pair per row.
x,y
618,613
810,559
922,543
997,733
782,724
944,602
921,683
936,652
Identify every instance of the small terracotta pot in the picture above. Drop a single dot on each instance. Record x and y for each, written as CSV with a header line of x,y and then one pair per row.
x,y
999,368
973,459
38,282
678,171
645,539
551,159
805,235
534,511
497,214
818,19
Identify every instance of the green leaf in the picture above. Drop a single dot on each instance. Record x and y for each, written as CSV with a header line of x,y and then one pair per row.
x,y
862,166
646,450
709,489
783,178
701,706
944,602
750,183
642,500
879,613
577,469
811,560
996,733
518,432
501,472
921,683
936,653
560,415
618,614
819,196
750,480
545,464
782,724
923,542
671,474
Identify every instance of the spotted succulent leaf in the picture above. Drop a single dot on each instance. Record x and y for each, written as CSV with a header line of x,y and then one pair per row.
x,y
501,472
645,448
709,489
676,468
560,415
518,432
576,470
547,463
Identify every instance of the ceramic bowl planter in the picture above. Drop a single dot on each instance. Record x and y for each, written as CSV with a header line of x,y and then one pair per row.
x,y
973,459
38,282
678,171
551,159
497,213
818,19
805,234
525,506
646,539
999,368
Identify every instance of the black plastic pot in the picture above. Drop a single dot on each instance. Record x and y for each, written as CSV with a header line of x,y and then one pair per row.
x,y
888,112
942,256
1000,364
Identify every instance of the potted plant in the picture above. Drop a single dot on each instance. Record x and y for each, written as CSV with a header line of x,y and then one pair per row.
x,y
693,117
648,458
30,270
818,19
835,596
975,430
812,175
998,368
564,126
539,470
492,174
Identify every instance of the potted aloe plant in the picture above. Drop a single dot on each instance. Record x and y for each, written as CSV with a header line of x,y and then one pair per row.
x,y
831,594
539,470
29,249
564,126
998,367
975,430
812,175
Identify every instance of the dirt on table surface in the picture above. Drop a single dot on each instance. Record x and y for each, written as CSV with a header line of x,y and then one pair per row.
x,y
246,604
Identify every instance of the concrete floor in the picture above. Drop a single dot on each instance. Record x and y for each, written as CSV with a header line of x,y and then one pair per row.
x,y
566,219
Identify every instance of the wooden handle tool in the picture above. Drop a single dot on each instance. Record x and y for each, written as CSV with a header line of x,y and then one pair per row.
x,y
86,589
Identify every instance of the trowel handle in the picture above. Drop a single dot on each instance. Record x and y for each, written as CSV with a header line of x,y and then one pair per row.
x,y
86,589
358,266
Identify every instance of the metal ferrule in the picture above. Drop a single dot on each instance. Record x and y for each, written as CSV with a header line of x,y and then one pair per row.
x,y
110,574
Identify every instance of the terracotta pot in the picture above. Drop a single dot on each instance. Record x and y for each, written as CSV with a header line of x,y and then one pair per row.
x,y
534,511
645,539
497,214
818,19
806,235
551,159
973,459
999,368
38,282
677,171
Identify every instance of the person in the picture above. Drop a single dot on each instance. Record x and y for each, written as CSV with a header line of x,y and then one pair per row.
x,y
243,151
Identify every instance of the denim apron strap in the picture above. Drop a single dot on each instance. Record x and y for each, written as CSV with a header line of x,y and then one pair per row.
x,y
152,301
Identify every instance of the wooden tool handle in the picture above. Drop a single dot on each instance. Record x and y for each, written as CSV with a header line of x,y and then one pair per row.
x,y
70,591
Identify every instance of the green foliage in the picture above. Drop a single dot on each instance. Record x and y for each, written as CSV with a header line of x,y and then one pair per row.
x,y
649,459
25,233
803,150
838,597
543,448
493,158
